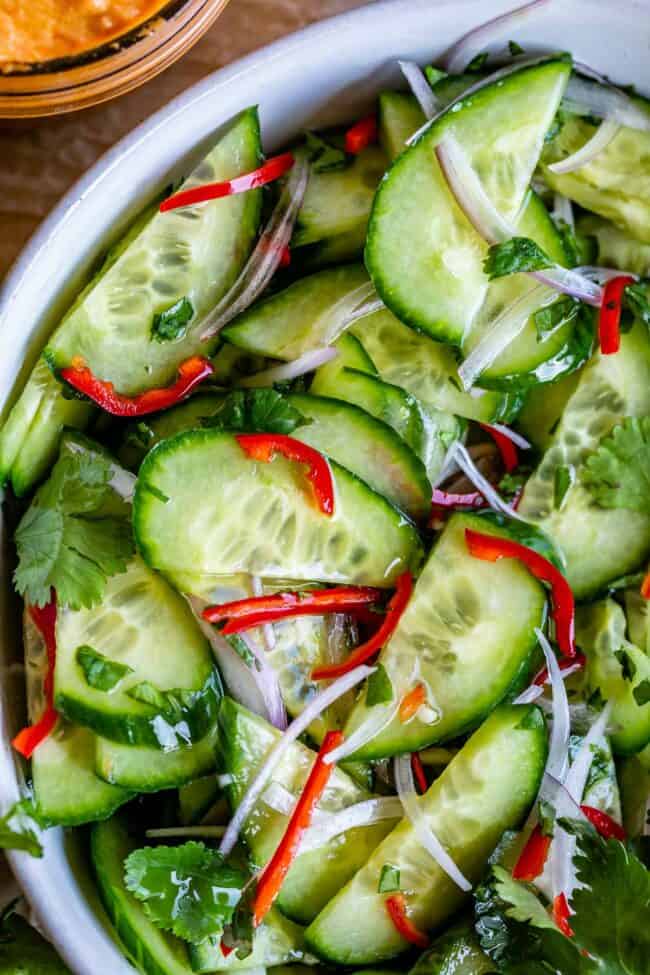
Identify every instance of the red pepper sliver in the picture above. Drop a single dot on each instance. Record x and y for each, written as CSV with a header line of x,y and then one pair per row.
x,y
412,702
606,826
190,373
27,740
445,499
609,320
645,587
367,650
418,772
507,448
270,171
361,134
264,446
225,950
579,660
272,878
396,907
561,915
490,548
533,856
242,614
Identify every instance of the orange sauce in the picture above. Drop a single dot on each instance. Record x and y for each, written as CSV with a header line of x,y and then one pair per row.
x,y
40,30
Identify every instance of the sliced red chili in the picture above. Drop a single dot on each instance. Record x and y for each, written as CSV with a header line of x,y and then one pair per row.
x,y
412,702
190,373
27,740
645,587
606,826
372,646
533,856
264,446
242,614
418,772
609,320
507,448
272,878
490,548
225,949
397,911
561,915
360,135
446,499
577,661
267,173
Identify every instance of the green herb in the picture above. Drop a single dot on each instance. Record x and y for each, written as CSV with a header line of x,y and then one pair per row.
x,y
636,298
242,650
617,475
172,323
16,832
434,75
100,672
628,667
238,935
572,244
379,689
388,879
171,704
515,255
477,63
139,435
23,951
156,493
256,411
188,890
511,484
563,479
75,534
323,156
515,48
561,312
642,692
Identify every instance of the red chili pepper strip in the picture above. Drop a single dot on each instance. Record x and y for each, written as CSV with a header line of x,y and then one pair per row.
x,y
507,448
606,826
418,772
241,614
361,134
411,703
367,650
270,171
609,320
645,587
493,547
396,907
272,878
225,950
533,856
561,915
27,740
444,499
264,446
190,373
577,661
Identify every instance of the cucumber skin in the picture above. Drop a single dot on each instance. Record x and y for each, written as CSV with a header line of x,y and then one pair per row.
x,y
158,770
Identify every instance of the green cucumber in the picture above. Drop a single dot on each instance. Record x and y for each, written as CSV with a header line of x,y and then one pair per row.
x,y
638,619
428,370
455,952
486,789
140,437
145,769
543,408
400,117
601,790
261,518
598,544
145,625
615,247
315,876
277,942
467,635
350,354
424,257
340,249
310,313
196,798
616,668
634,781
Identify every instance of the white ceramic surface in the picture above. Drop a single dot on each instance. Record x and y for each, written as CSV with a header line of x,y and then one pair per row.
x,y
328,72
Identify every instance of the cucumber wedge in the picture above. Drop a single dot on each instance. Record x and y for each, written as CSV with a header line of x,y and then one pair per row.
x,y
260,518
145,769
598,544
424,257
340,249
455,952
277,942
351,354
615,247
541,412
139,438
315,876
309,314
143,624
400,117
487,788
466,635
196,798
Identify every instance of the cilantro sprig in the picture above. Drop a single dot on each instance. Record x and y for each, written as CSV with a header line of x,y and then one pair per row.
x,y
514,255
256,411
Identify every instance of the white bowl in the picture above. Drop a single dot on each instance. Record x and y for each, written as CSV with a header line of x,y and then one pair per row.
x,y
326,73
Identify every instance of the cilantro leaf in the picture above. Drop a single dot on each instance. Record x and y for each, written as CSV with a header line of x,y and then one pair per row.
x,y
16,832
477,63
514,255
548,319
172,323
637,300
171,704
324,157
100,672
389,879
628,667
243,650
75,534
23,951
641,692
379,689
434,75
186,889
256,411
515,48
617,475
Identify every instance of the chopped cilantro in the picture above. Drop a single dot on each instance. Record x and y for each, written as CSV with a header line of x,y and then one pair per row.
x,y
100,672
243,650
515,48
323,156
642,692
477,63
628,667
434,75
563,479
256,411
561,312
172,323
617,475
16,830
514,255
379,689
388,879
171,704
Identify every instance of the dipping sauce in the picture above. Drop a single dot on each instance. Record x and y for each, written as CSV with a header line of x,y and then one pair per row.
x,y
42,30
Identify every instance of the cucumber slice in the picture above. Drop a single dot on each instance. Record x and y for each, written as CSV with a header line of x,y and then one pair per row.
x,y
615,247
598,544
456,952
140,437
638,619
635,790
544,405
340,249
66,790
400,117
145,769
316,876
529,360
261,518
276,942
196,798
422,254
486,789
600,632
428,370
351,354
601,791
467,635
310,313
144,624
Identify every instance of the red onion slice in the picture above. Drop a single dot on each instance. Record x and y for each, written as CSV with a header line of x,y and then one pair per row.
x,y
563,210
599,141
420,87
603,100
530,695
477,39
558,752
267,681
290,370
327,826
471,471
516,438
380,716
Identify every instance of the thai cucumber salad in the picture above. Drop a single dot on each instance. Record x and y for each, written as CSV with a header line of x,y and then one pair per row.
x,y
331,508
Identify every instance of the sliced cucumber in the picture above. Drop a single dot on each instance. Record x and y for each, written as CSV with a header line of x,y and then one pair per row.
x,y
617,669
277,942
544,405
145,769
598,544
261,518
310,313
145,625
316,876
456,952
139,438
400,117
340,249
615,247
351,354
424,257
466,635
428,370
634,780
486,789
196,798
638,619
601,791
